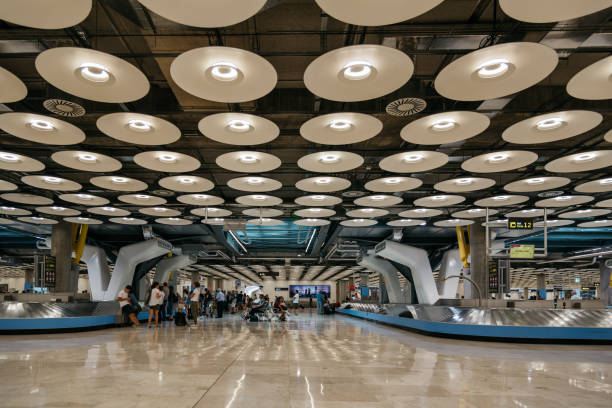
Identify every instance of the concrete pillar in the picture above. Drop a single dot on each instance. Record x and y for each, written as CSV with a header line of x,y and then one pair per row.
x,y
541,285
29,276
605,289
66,278
526,293
195,277
478,263
210,282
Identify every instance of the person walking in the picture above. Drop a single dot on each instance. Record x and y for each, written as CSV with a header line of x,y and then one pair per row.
x,y
296,301
155,301
164,307
220,298
172,301
194,297
320,299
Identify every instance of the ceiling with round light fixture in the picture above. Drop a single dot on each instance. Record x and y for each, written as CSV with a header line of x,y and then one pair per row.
x,y
13,89
464,184
551,127
238,129
341,128
578,162
86,161
367,13
447,127
564,201
44,14
167,162
536,184
118,183
550,11
323,184
41,129
393,184
499,161
259,200
330,162
413,161
248,161
254,184
186,184
138,128
141,199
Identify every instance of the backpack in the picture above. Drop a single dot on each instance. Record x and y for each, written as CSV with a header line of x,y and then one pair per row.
x,y
179,319
173,297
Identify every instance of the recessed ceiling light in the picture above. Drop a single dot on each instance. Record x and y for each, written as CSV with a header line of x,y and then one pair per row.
x,y
42,125
52,180
248,158
200,197
318,197
501,198
167,158
497,158
330,158
606,181
528,211
218,219
340,125
87,158
119,180
315,209
367,210
421,210
160,209
224,72
493,68
311,219
322,180
212,209
8,208
94,72
378,197
37,218
359,220
142,196
583,211
535,181
239,126
85,196
109,209
444,125
127,219
583,158
393,181
464,181
562,198
475,210
357,70
454,220
439,198
9,157
549,124
259,197
58,208
413,158
138,125
186,180
254,180
174,219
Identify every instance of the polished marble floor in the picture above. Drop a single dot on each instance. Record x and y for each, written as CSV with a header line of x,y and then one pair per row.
x,y
310,361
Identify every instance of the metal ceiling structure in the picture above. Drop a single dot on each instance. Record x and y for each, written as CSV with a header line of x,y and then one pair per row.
x,y
290,34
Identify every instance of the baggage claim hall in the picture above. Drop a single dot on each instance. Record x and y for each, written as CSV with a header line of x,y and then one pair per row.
x,y
306,203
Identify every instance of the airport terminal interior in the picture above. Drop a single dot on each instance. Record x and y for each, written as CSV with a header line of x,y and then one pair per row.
x,y
306,203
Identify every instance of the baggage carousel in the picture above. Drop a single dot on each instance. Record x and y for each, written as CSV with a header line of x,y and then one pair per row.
x,y
44,317
497,324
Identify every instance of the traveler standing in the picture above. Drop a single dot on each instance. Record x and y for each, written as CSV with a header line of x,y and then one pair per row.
x,y
220,297
164,308
126,308
296,301
194,296
320,299
172,301
155,301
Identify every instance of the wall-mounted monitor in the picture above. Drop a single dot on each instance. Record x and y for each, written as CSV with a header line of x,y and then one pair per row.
x,y
309,290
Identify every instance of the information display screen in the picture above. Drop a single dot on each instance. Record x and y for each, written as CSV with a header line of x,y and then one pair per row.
x,y
308,290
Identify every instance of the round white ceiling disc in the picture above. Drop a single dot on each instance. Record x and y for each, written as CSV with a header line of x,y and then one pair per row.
x,y
138,128
420,213
118,183
503,223
13,89
83,220
378,200
86,161
51,183
406,222
499,161
167,162
464,184
6,221
596,224
7,186
141,199
358,222
536,184
17,162
367,213
376,13
501,201
223,74
605,203
564,201
84,199
110,211
265,222
56,210
240,129
553,223
323,184
262,212
474,213
314,213
318,200
40,128
200,199
248,161
159,212
578,162
442,200
211,212
37,220
413,161
496,71
311,222
259,200
254,184
186,184
45,14
527,213
206,14
127,221
552,127
551,11
586,213
447,127
26,198
358,73
173,221
8,210
393,184
341,128
596,186
213,221
330,162
593,82
455,222
92,74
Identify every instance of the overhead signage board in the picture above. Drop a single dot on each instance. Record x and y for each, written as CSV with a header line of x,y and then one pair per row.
x,y
520,223
522,251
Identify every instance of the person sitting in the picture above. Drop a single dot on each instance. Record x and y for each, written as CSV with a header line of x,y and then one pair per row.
x,y
280,307
125,304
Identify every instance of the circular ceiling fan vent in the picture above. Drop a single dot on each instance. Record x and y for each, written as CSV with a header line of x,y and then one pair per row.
x,y
353,194
406,106
549,194
63,107
163,193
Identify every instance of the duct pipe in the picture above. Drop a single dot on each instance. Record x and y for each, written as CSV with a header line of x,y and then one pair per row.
x,y
169,265
97,269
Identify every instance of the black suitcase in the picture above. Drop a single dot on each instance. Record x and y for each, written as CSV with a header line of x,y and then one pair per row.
x,y
179,319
